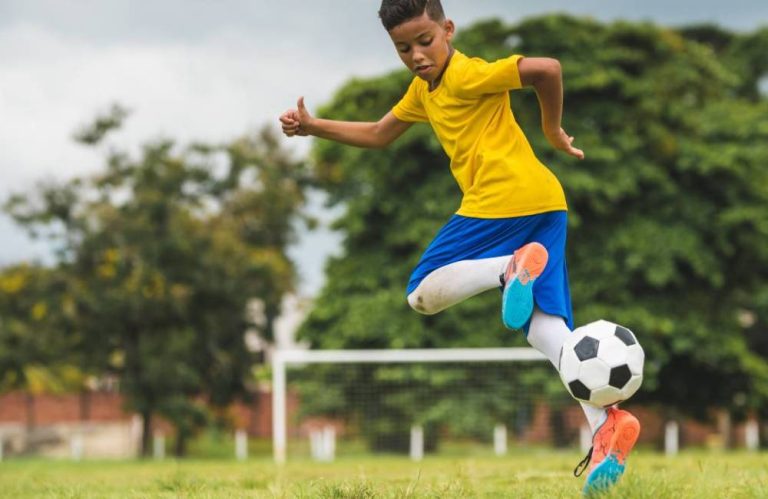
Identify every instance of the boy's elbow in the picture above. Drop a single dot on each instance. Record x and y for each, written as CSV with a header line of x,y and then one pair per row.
x,y
549,71
552,68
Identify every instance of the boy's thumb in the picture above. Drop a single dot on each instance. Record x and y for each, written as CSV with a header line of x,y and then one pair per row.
x,y
300,104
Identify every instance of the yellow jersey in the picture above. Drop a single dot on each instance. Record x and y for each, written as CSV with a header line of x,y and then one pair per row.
x,y
492,161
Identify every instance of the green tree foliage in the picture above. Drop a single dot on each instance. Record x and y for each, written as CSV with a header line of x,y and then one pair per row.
x,y
165,254
668,227
34,356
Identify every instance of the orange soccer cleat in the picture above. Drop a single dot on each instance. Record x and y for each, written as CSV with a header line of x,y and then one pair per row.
x,y
611,445
523,268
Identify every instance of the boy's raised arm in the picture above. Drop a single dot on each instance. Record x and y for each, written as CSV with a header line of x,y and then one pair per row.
x,y
354,133
545,76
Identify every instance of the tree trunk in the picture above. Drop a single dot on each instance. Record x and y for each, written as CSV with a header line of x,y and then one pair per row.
x,y
30,406
180,448
146,434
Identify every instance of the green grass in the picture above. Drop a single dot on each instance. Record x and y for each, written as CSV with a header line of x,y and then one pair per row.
x,y
544,474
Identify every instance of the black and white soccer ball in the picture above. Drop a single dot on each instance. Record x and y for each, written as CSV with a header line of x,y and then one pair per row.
x,y
601,363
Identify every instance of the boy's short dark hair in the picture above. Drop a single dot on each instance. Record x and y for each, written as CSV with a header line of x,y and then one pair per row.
x,y
395,12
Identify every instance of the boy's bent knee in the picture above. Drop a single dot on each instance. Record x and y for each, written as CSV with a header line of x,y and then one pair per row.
x,y
417,302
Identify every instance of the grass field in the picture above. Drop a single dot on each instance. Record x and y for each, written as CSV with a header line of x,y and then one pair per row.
x,y
542,474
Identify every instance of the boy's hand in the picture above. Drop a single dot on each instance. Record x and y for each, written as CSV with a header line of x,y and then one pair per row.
x,y
296,121
563,142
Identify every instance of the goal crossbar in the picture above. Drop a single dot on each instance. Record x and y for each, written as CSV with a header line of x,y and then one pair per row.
x,y
282,358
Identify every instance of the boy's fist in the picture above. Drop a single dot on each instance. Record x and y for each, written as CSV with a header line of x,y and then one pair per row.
x,y
295,121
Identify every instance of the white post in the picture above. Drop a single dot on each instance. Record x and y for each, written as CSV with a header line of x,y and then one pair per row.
x,y
322,443
585,438
417,443
329,443
671,438
316,444
159,445
752,435
241,445
278,408
500,440
76,446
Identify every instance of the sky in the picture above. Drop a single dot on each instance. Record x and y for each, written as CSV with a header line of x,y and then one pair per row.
x,y
213,70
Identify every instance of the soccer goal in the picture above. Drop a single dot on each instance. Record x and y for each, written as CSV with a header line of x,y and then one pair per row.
x,y
414,401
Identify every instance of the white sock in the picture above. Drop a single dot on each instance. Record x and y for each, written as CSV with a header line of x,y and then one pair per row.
x,y
547,334
456,282
595,416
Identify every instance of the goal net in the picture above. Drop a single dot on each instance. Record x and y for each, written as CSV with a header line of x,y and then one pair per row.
x,y
330,403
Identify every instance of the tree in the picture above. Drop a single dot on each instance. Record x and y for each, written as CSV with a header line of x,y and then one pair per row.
x,y
667,229
164,254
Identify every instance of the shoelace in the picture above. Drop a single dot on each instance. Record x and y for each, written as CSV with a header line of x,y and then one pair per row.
x,y
583,464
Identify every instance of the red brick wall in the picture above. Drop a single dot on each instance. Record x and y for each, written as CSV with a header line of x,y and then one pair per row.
x,y
44,409
13,408
256,417
107,407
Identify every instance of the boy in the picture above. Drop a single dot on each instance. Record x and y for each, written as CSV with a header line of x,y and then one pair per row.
x,y
511,225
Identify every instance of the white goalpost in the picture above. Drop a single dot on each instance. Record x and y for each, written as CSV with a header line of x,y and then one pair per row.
x,y
282,359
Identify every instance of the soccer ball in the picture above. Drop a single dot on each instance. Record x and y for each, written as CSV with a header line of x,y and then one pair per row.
x,y
601,363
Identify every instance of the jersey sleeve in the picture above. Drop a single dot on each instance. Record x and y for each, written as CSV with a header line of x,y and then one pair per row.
x,y
410,108
481,77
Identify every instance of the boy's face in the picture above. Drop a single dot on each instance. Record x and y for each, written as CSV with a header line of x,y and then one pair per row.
x,y
423,45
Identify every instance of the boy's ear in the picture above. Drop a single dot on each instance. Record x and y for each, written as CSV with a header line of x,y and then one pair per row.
x,y
449,28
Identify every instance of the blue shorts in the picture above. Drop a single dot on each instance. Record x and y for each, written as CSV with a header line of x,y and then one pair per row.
x,y
465,238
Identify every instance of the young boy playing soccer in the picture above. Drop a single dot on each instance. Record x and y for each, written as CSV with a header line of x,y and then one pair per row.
x,y
511,225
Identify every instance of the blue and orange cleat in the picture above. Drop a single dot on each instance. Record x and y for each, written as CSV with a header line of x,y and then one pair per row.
x,y
523,268
611,444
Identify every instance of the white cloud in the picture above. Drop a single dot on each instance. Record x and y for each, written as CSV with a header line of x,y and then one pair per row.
x,y
216,90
